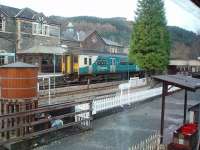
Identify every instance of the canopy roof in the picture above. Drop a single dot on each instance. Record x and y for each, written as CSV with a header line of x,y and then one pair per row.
x,y
184,82
197,2
44,50
19,65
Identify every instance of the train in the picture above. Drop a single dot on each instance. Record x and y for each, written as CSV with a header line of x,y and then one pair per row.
x,y
99,66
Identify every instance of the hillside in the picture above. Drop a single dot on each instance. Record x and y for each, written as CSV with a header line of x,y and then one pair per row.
x,y
116,29
119,29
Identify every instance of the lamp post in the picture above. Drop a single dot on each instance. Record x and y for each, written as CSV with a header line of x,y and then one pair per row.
x,y
54,71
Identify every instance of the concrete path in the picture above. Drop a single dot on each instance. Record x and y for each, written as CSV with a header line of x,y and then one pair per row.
x,y
119,131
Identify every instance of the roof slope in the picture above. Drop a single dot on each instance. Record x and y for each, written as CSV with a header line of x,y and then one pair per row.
x,y
26,13
9,11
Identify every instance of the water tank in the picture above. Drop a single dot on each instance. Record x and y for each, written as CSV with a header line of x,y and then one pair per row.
x,y
18,81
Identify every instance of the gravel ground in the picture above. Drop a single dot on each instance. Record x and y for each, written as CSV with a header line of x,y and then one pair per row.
x,y
120,131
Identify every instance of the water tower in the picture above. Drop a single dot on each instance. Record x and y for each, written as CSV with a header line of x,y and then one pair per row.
x,y
18,90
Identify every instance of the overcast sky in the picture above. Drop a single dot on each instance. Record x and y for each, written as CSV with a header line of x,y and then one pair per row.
x,y
176,14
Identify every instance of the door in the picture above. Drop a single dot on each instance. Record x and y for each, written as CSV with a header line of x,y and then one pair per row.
x,y
113,65
90,65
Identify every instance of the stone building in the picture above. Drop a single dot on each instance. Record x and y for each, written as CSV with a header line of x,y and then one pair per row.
x,y
95,41
29,36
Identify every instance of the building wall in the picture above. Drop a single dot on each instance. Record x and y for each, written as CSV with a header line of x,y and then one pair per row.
x,y
27,39
7,37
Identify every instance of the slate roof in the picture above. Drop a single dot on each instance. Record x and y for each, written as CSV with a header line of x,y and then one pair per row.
x,y
84,35
44,50
19,65
9,11
26,13
111,43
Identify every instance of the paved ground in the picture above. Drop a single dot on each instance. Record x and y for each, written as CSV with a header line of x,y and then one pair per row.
x,y
119,131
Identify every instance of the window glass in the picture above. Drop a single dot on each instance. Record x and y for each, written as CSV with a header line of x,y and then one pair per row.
x,y
85,61
75,59
90,61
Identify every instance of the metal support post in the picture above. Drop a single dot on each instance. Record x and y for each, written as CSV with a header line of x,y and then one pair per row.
x,y
185,107
164,92
49,90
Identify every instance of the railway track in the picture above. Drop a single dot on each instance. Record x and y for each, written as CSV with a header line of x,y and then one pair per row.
x,y
79,95
70,90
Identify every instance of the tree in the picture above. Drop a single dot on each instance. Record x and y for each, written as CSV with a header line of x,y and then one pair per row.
x,y
150,42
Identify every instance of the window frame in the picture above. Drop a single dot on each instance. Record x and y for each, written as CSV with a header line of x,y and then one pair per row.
x,y
40,29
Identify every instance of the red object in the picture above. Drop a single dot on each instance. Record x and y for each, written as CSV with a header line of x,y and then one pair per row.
x,y
189,129
174,146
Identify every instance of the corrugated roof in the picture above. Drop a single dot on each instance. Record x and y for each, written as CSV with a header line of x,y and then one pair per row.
x,y
44,50
10,11
19,65
184,82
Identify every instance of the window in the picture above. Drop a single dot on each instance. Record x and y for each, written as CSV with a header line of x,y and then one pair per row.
x,y
2,23
1,60
85,61
41,29
75,59
90,61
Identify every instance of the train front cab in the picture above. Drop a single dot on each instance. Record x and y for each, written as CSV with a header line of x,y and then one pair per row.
x,y
70,65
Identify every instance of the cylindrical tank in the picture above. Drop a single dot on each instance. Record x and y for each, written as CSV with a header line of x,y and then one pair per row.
x,y
18,81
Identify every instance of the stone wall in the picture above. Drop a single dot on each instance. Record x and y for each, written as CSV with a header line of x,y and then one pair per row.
x,y
7,42
93,42
28,40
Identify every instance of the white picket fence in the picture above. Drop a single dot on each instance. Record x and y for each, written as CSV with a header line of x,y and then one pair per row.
x,y
100,105
151,143
83,116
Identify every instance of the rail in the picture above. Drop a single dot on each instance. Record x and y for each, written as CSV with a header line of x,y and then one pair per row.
x,y
28,124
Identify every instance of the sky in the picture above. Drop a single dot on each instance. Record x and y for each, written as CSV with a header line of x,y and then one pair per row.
x,y
186,16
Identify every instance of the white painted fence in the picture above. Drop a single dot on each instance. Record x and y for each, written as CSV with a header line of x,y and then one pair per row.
x,y
82,116
137,82
126,99
151,143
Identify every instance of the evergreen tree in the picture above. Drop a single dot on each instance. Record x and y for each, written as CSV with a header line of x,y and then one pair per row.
x,y
150,43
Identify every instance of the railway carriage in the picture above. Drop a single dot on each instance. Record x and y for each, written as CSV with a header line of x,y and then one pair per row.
x,y
99,66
